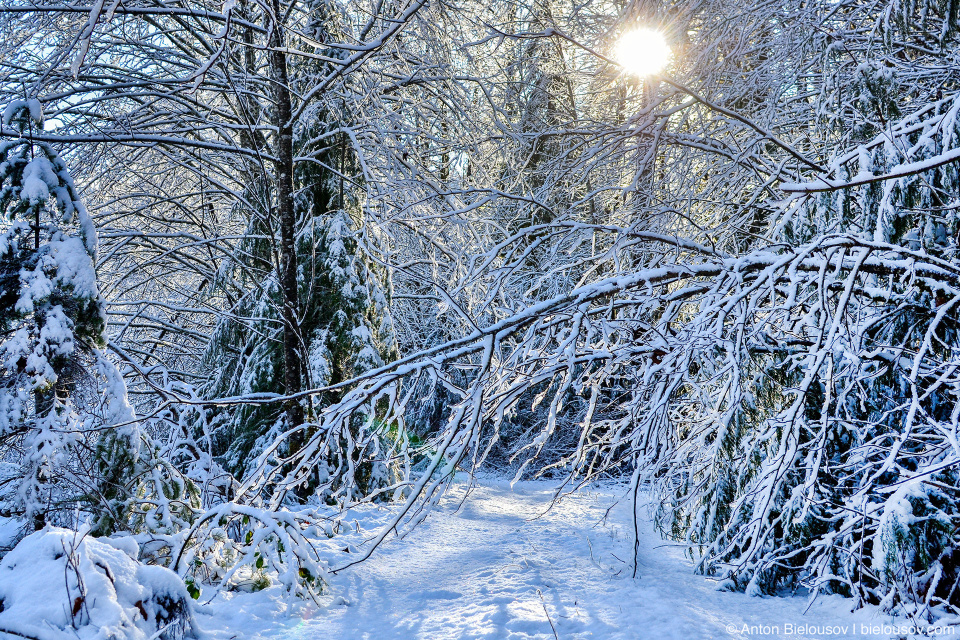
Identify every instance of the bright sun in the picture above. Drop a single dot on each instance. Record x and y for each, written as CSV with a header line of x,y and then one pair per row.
x,y
643,52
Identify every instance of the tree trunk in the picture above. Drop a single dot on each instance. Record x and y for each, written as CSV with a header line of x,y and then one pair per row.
x,y
288,251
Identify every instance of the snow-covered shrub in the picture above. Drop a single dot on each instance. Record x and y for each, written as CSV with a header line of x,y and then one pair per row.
x,y
186,515
58,583
237,547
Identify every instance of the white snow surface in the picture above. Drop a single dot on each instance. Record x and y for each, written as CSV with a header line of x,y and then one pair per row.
x,y
58,584
502,566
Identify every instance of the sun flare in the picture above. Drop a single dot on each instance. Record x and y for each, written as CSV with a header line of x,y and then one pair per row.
x,y
643,52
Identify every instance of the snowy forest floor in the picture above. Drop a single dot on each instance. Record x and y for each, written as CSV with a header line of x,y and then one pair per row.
x,y
503,567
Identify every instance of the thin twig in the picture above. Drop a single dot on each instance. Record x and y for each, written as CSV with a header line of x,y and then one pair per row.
x,y
547,613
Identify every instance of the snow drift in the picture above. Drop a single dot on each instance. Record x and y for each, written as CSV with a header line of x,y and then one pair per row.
x,y
59,583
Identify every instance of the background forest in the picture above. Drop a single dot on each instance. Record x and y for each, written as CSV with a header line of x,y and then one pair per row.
x,y
267,259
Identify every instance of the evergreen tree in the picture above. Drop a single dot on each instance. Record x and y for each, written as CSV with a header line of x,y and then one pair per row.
x,y
344,324
52,323
834,465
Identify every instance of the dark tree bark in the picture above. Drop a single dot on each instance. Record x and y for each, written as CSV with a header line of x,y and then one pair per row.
x,y
282,111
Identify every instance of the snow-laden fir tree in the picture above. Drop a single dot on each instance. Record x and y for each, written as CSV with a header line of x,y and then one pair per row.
x,y
69,439
832,461
343,320
344,325
65,423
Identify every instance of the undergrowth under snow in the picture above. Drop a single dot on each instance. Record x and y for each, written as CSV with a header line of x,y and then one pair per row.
x,y
58,583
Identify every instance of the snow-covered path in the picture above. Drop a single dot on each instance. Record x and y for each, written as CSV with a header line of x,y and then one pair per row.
x,y
499,567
